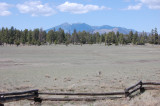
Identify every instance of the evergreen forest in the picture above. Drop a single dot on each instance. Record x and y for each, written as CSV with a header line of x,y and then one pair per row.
x,y
39,37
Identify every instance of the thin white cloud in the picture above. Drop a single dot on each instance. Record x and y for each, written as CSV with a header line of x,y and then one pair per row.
x,y
35,8
4,9
135,7
152,4
76,8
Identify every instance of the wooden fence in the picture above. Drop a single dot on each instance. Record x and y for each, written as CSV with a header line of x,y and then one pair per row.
x,y
34,94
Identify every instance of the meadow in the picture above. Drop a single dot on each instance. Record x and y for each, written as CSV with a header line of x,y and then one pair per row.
x,y
76,68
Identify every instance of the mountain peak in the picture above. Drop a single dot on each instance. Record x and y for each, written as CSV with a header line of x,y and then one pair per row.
x,y
65,24
79,23
92,29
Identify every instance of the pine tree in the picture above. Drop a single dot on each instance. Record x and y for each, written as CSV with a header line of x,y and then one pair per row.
x,y
75,38
40,36
100,39
51,37
61,36
151,37
109,38
116,40
2,36
105,35
97,37
135,38
121,39
67,39
44,37
117,34
82,36
155,36
113,37
6,36
141,40
29,37
130,36
23,37
35,36
11,35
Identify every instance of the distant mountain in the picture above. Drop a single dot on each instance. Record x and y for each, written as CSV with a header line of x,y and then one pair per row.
x,y
92,29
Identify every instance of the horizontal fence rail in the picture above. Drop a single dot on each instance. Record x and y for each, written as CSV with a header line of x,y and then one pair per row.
x,y
19,93
150,83
34,94
85,94
79,99
16,98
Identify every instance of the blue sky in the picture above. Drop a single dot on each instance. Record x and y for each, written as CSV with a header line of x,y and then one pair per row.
x,y
133,14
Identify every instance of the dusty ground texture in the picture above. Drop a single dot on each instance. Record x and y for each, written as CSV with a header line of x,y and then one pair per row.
x,y
76,68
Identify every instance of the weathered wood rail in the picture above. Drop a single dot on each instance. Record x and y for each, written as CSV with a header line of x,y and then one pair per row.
x,y
85,94
16,96
34,94
19,93
134,88
78,99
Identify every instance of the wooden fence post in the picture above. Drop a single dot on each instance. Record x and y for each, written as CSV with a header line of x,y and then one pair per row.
x,y
37,99
126,93
141,87
36,94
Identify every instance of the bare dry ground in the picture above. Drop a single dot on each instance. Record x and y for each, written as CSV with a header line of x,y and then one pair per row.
x,y
76,68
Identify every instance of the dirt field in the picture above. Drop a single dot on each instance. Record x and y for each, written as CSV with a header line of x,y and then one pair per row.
x,y
76,69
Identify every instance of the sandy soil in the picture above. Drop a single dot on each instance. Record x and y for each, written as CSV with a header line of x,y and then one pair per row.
x,y
76,68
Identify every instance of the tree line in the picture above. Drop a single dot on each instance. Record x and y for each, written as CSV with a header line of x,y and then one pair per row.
x,y
41,37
